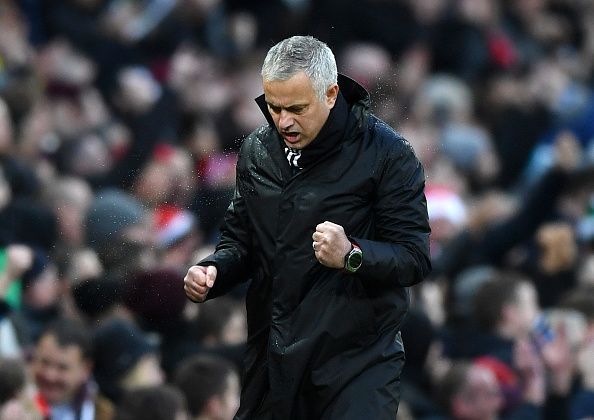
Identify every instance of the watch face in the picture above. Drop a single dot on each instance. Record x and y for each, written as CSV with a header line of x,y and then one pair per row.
x,y
355,260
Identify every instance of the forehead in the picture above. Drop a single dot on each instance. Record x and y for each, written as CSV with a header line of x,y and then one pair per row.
x,y
297,88
478,375
49,348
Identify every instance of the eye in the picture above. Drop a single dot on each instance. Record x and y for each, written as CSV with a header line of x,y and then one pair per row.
x,y
274,109
297,109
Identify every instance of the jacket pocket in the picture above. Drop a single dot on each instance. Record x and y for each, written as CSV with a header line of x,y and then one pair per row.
x,y
359,309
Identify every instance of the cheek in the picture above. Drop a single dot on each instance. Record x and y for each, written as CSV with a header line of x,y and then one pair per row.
x,y
276,120
314,123
37,373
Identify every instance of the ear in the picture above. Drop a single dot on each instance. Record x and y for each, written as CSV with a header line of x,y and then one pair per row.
x,y
331,95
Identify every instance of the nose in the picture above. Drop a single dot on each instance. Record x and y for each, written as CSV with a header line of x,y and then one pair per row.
x,y
285,120
51,374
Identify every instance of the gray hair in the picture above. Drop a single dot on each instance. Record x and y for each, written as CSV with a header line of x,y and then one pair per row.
x,y
302,53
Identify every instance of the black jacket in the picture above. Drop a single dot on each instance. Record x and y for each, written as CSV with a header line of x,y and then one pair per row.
x,y
318,336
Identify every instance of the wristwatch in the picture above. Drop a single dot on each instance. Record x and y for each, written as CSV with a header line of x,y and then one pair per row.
x,y
354,259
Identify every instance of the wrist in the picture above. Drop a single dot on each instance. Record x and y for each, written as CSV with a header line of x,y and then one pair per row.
x,y
353,259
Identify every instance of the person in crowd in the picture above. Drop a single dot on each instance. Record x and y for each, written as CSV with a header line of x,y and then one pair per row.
x,y
126,359
323,315
471,390
41,293
505,310
62,368
218,328
119,229
210,385
15,260
157,402
582,405
16,402
69,198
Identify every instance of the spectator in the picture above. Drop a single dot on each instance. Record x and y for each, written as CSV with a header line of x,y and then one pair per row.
x,y
69,198
41,294
118,227
62,366
218,329
15,260
582,405
158,402
125,359
15,399
211,387
504,310
470,392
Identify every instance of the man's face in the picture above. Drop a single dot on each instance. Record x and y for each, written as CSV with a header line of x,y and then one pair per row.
x,y
297,112
59,372
480,399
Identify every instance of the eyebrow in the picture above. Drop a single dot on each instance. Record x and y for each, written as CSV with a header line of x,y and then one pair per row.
x,y
295,107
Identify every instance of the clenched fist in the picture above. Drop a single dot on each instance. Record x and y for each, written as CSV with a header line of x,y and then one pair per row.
x,y
330,244
199,281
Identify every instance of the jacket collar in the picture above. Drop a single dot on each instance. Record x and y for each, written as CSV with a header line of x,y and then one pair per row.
x,y
353,92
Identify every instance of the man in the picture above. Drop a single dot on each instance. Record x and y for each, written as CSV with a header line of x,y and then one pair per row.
x,y
15,401
62,366
470,391
329,221
478,389
125,359
210,385
505,309
153,402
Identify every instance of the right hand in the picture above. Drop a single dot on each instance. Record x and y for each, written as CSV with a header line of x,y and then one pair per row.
x,y
199,281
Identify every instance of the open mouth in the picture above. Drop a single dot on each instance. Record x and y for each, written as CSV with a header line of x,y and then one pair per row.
x,y
291,137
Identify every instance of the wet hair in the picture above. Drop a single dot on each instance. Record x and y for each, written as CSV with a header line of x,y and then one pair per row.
x,y
201,377
302,53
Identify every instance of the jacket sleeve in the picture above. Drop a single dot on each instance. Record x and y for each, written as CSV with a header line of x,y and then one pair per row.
x,y
399,252
234,249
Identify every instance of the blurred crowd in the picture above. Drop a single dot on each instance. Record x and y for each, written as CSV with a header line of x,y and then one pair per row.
x,y
120,121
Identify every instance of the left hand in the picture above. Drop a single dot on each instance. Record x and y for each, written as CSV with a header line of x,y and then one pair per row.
x,y
330,244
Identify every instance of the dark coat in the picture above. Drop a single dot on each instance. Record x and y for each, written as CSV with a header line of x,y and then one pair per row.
x,y
323,343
